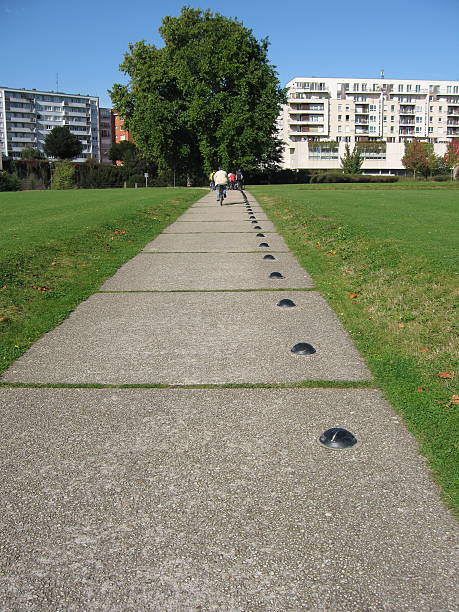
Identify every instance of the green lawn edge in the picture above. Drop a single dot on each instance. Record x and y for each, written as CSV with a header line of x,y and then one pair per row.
x,y
44,279
417,394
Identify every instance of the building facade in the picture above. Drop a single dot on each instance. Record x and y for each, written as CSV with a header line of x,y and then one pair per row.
x,y
27,116
107,133
120,133
324,114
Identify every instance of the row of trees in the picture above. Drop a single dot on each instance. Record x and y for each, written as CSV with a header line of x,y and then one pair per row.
x,y
421,159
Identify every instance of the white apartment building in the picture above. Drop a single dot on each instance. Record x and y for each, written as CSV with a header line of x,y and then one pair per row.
x,y
28,115
324,114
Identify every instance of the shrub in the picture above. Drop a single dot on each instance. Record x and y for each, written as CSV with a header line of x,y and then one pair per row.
x,y
63,175
441,177
9,182
334,177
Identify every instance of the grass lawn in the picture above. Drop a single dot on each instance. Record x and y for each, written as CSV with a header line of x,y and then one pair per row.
x,y
58,247
385,258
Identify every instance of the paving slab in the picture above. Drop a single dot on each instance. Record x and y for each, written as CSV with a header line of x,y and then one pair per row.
x,y
215,243
221,499
204,227
193,338
205,272
220,214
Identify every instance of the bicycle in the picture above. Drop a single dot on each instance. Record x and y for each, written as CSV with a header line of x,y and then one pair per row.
x,y
221,193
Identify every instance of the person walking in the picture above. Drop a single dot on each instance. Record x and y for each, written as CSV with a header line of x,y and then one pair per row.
x,y
211,179
221,182
232,180
240,180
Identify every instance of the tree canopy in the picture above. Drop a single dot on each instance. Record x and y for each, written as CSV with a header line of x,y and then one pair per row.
x,y
208,97
61,143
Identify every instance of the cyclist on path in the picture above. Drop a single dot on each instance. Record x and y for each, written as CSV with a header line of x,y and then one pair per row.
x,y
221,181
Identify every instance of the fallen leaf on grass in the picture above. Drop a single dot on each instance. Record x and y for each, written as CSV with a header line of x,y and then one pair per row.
x,y
454,400
424,350
401,325
352,296
41,288
420,389
120,233
331,252
446,374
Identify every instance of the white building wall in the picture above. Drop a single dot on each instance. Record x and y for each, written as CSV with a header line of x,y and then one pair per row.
x,y
27,116
351,110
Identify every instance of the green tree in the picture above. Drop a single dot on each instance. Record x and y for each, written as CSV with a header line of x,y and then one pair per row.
x,y
418,157
63,176
61,143
351,162
451,157
122,151
208,97
31,153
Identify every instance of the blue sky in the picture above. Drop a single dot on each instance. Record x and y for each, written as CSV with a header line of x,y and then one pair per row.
x,y
84,41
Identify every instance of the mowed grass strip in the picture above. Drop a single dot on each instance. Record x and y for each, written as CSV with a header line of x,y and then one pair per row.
x,y
58,247
386,260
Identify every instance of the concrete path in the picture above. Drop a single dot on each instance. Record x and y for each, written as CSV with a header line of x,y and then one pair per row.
x,y
217,498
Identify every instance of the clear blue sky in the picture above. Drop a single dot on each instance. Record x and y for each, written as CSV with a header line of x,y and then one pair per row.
x,y
84,41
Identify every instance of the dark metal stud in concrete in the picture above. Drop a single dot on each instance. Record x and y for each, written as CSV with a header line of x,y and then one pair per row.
x,y
269,257
286,304
303,348
252,217
257,227
260,235
276,275
337,438
254,222
263,244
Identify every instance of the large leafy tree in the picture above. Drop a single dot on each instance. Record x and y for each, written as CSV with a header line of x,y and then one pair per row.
x,y
61,143
209,96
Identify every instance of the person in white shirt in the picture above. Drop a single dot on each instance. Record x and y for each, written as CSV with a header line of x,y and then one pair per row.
x,y
221,182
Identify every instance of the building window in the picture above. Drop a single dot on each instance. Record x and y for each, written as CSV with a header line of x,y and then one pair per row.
x,y
418,88
400,88
448,89
364,86
372,107
408,88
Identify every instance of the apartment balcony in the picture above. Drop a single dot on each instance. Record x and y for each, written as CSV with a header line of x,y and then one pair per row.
x,y
453,112
362,110
362,130
361,121
407,122
407,109
18,109
308,130
17,99
406,131
26,130
452,131
17,139
31,119
453,122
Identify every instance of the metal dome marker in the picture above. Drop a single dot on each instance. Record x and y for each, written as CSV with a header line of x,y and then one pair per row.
x,y
337,438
